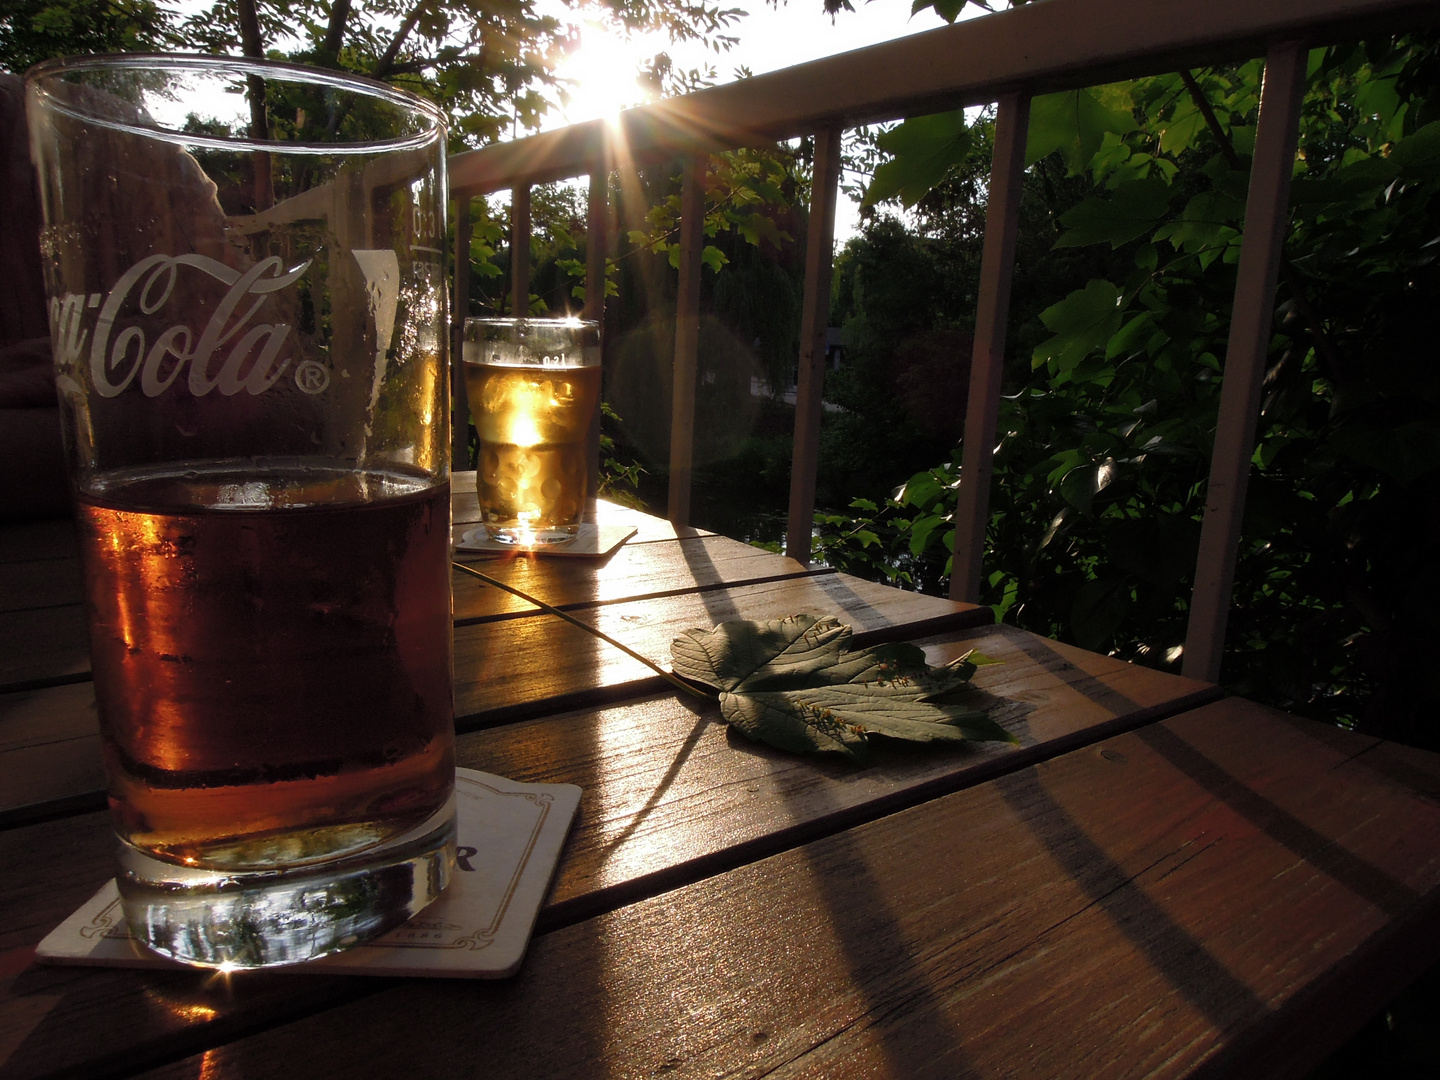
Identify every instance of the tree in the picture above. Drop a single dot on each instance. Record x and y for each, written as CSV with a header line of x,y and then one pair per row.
x,y
35,30
488,63
1111,391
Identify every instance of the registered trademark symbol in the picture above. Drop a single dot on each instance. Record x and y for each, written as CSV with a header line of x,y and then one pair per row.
x,y
312,377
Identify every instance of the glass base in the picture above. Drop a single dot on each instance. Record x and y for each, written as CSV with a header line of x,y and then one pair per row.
x,y
525,536
228,919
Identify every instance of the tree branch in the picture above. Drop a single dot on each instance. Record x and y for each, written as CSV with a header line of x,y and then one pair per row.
x,y
252,45
387,61
1202,103
1324,343
335,32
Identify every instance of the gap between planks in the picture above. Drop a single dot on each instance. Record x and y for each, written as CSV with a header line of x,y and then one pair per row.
x,y
659,594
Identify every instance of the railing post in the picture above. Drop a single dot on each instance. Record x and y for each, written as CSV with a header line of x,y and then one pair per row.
x,y
520,250
687,338
459,400
814,318
595,251
987,362
1266,221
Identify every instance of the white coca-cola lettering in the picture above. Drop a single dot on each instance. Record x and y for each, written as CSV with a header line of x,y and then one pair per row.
x,y
66,316
113,366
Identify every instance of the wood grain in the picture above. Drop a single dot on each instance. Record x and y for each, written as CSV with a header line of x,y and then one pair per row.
x,y
1178,901
530,666
670,797
33,540
465,511
635,571
49,749
39,583
44,646
671,794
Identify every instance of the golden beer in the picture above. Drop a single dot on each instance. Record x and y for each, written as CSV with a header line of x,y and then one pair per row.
x,y
532,394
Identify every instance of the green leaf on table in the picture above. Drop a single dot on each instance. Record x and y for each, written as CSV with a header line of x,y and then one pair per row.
x,y
795,684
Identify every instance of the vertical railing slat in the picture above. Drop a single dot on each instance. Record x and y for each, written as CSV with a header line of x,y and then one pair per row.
x,y
814,318
459,401
598,213
595,251
992,315
520,250
1266,221
687,338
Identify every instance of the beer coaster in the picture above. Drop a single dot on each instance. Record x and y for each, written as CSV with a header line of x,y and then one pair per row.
x,y
509,840
591,542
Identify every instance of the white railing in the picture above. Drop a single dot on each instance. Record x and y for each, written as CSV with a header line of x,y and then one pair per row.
x,y
1008,58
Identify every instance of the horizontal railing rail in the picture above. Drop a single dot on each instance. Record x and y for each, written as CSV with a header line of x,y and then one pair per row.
x,y
1007,57
1044,46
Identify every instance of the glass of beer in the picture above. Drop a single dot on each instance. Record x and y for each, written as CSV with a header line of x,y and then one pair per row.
x,y
247,308
534,390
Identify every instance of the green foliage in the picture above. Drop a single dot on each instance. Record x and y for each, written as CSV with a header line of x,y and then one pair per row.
x,y
1111,393
1074,124
795,684
745,189
924,149
489,65
35,30
619,476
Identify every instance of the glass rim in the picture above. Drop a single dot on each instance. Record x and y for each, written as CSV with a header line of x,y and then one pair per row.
x,y
274,70
557,322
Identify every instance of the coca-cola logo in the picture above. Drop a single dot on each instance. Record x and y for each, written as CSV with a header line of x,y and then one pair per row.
x,y
220,357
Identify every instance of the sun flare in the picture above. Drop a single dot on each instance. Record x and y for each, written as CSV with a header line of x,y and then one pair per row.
x,y
601,75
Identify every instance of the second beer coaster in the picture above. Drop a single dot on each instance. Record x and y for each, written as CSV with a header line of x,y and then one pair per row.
x,y
591,542
509,840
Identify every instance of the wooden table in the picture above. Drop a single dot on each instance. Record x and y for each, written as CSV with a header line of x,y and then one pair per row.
x,y
1155,882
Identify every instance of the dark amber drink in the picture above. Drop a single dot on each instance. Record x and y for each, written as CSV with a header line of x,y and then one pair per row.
x,y
272,661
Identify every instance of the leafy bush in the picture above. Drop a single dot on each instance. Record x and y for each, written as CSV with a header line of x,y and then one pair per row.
x,y
1106,431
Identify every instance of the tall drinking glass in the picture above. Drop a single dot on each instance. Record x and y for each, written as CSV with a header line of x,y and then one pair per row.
x,y
534,388
247,307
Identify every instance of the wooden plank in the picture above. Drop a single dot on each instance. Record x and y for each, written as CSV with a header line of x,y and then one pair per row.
x,y
1057,45
635,571
49,752
687,339
520,250
33,540
671,795
45,646
1267,220
516,668
814,319
1188,899
987,364
670,798
39,583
